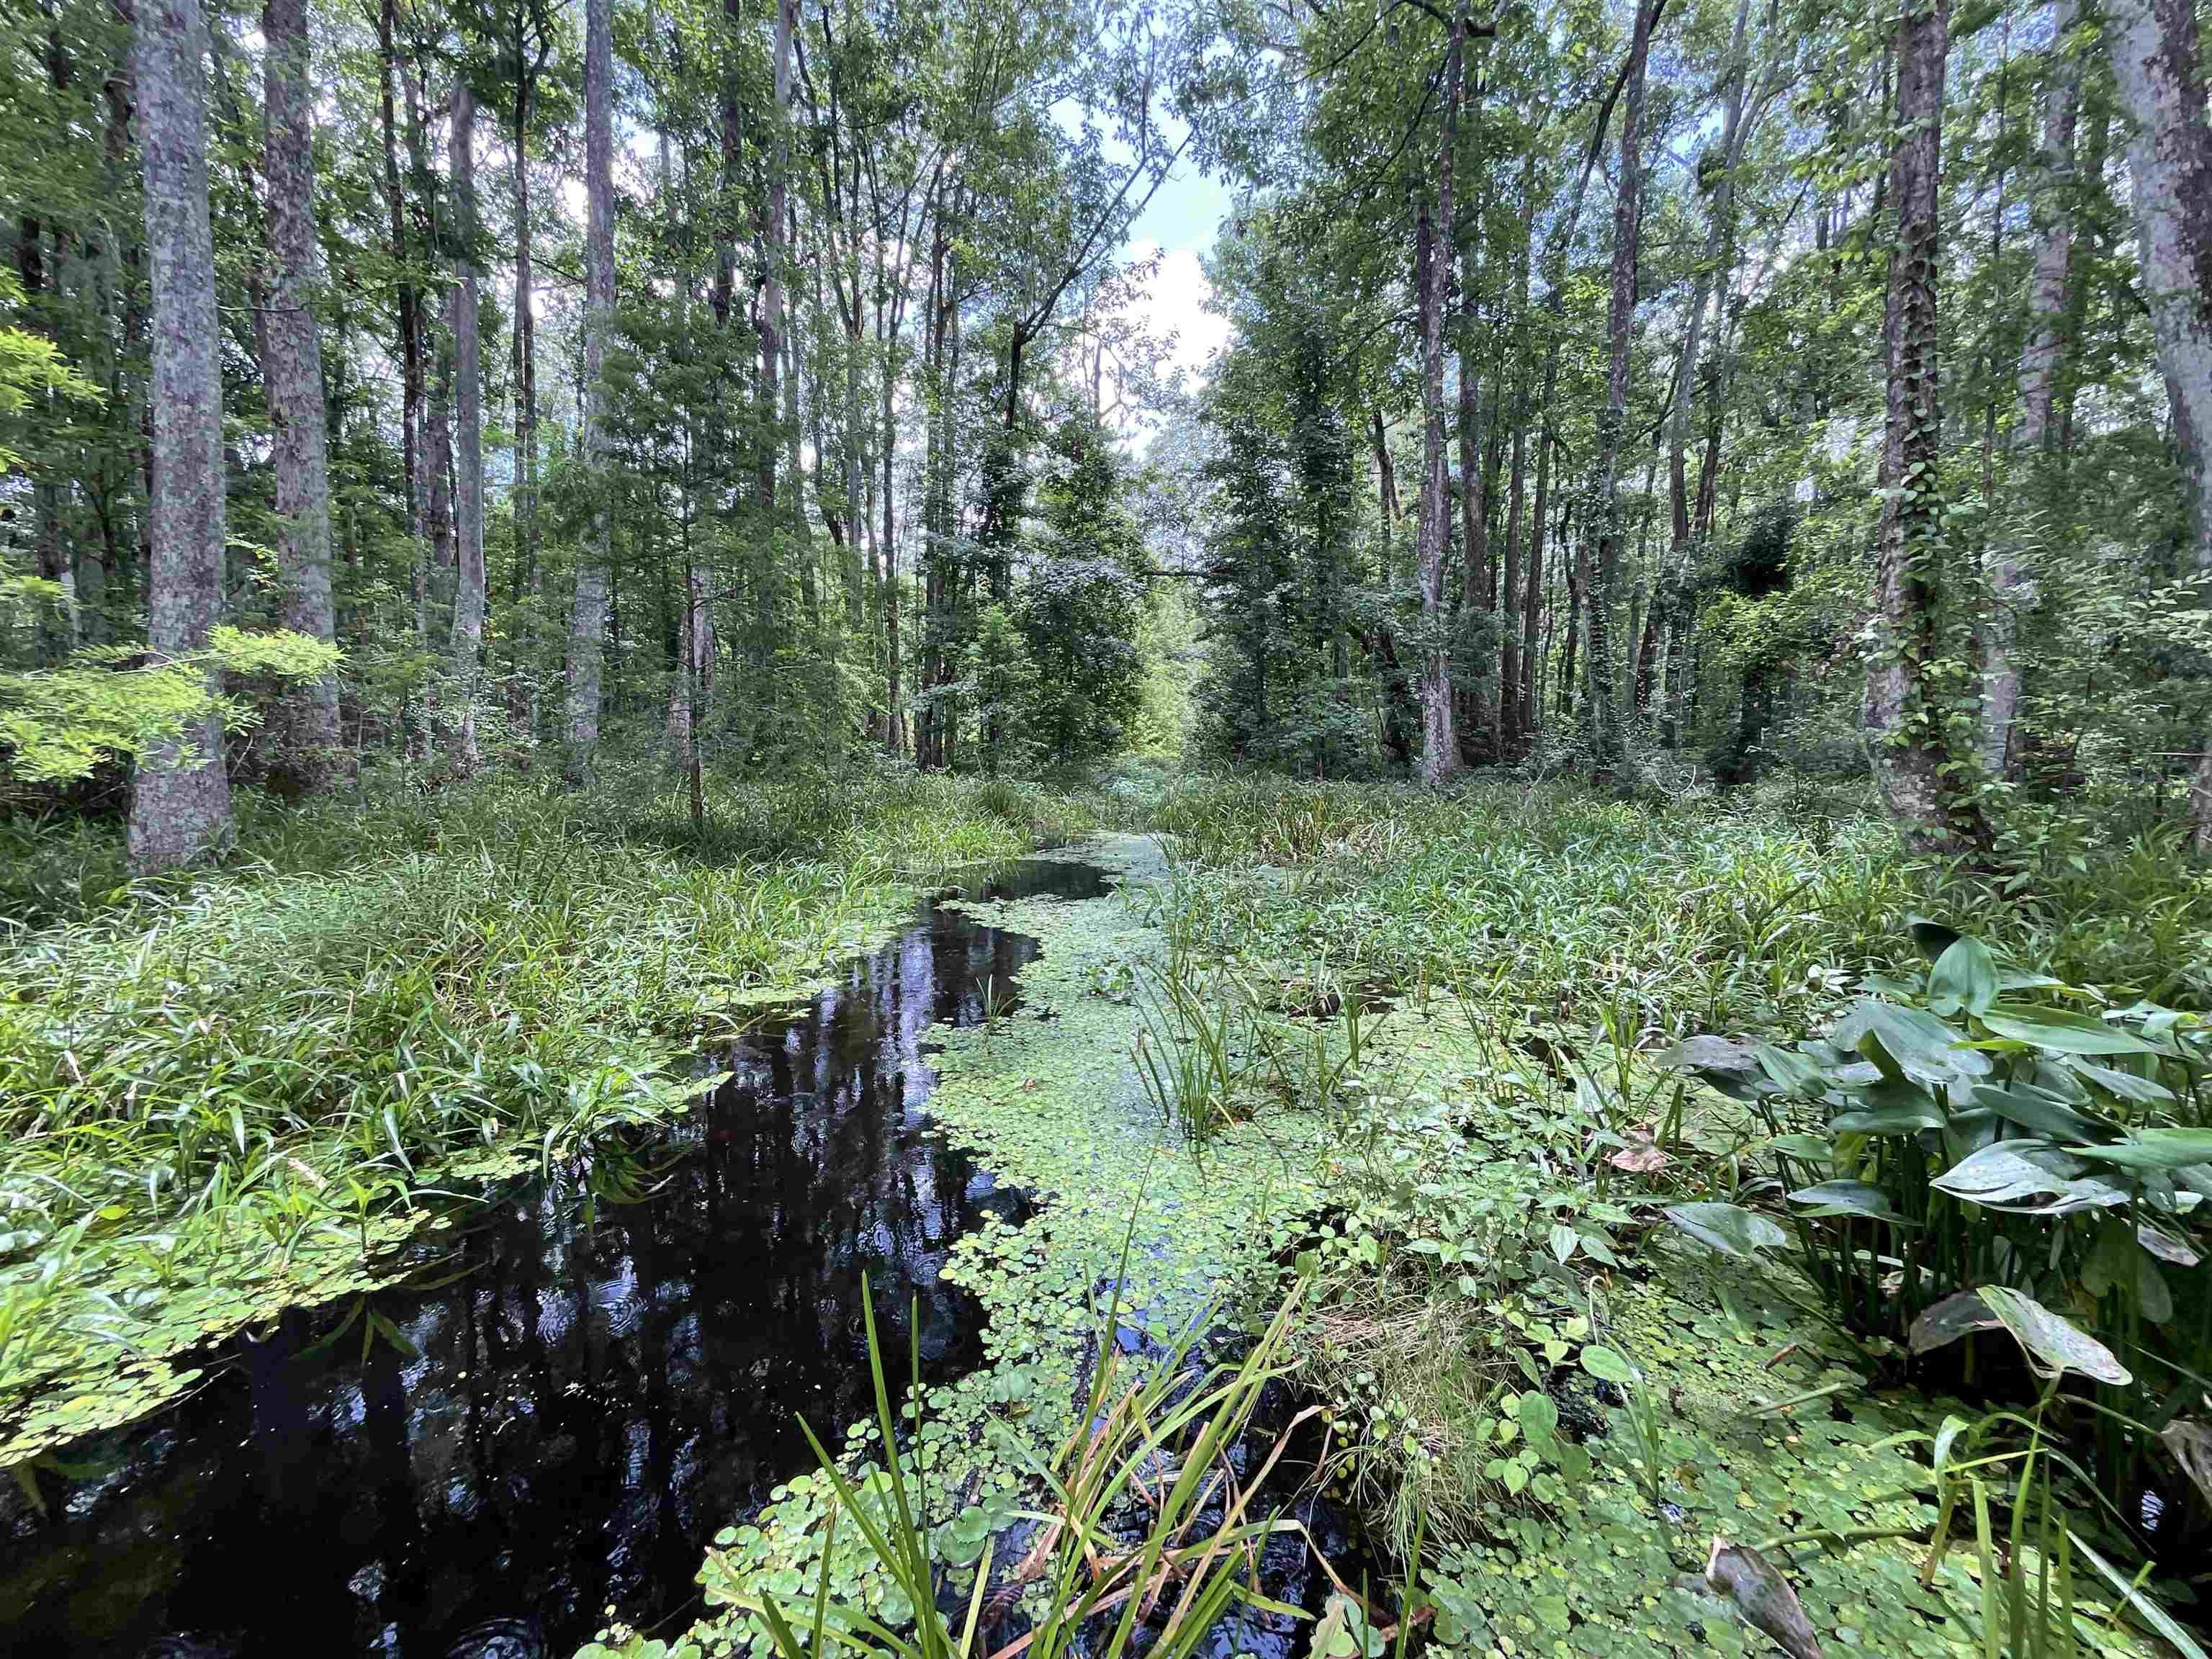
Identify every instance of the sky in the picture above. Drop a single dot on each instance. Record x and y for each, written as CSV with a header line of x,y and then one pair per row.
x,y
1181,220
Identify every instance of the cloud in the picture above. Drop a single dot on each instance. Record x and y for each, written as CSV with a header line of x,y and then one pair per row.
x,y
1174,302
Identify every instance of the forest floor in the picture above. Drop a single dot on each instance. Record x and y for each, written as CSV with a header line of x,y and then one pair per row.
x,y
244,1088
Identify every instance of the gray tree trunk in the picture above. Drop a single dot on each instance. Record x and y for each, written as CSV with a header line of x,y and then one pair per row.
x,y
587,627
1601,587
465,654
1439,747
2010,593
181,800
1908,730
305,728
2158,62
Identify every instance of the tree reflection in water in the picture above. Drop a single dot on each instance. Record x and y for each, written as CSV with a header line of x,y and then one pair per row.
x,y
606,1385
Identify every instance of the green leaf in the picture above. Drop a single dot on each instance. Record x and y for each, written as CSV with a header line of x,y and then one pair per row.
x,y
1901,1118
2125,1085
2062,1029
2054,1345
2032,1109
1835,1197
1912,1040
2000,1177
2154,1149
1608,1365
1564,1241
1964,976
1946,1321
1540,1421
1933,938
1729,1227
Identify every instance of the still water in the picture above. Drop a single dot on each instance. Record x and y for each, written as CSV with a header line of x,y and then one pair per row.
x,y
588,1390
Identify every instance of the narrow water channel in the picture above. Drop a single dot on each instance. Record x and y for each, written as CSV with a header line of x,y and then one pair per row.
x,y
587,1391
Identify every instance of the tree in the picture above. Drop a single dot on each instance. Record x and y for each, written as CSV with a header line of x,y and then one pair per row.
x,y
587,626
180,798
1082,604
464,652
2158,61
2038,387
307,737
1911,758
1432,265
1601,710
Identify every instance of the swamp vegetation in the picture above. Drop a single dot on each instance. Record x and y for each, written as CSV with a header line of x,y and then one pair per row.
x,y
1103,829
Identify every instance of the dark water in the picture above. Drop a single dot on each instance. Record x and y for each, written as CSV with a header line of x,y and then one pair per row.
x,y
603,1387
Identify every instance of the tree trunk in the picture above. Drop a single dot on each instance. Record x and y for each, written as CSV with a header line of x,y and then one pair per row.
x,y
1909,750
1433,262
1601,594
2038,378
305,729
464,652
529,537
587,628
181,800
1476,582
2158,62
1397,697
410,300
438,462
772,255
1670,593
1474,724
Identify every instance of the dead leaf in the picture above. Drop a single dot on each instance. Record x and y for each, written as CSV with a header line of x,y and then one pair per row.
x,y
1642,1156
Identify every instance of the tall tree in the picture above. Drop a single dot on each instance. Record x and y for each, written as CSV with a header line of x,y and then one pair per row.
x,y
588,625
308,716
1911,752
464,652
181,800
1740,108
1602,589
2037,386
1434,247
2158,60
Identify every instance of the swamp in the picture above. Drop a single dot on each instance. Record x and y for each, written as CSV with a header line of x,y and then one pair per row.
x,y
1105,829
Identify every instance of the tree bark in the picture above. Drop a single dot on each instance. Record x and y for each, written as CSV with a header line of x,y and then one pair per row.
x,y
2158,62
1512,709
1433,262
1739,115
2010,593
306,725
464,651
1601,587
587,628
409,298
180,799
1909,747
528,535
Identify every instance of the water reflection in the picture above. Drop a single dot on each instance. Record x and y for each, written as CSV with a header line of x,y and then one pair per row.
x,y
571,1418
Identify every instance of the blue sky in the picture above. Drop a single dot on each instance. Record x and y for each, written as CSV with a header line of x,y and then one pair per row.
x,y
1181,220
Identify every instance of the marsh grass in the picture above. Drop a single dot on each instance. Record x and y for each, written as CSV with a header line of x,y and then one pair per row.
x,y
380,1000
1147,1432
1578,938
1697,915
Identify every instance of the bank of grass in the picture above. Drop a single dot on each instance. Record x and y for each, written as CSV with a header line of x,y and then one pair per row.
x,y
1701,914
221,1093
1533,1375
